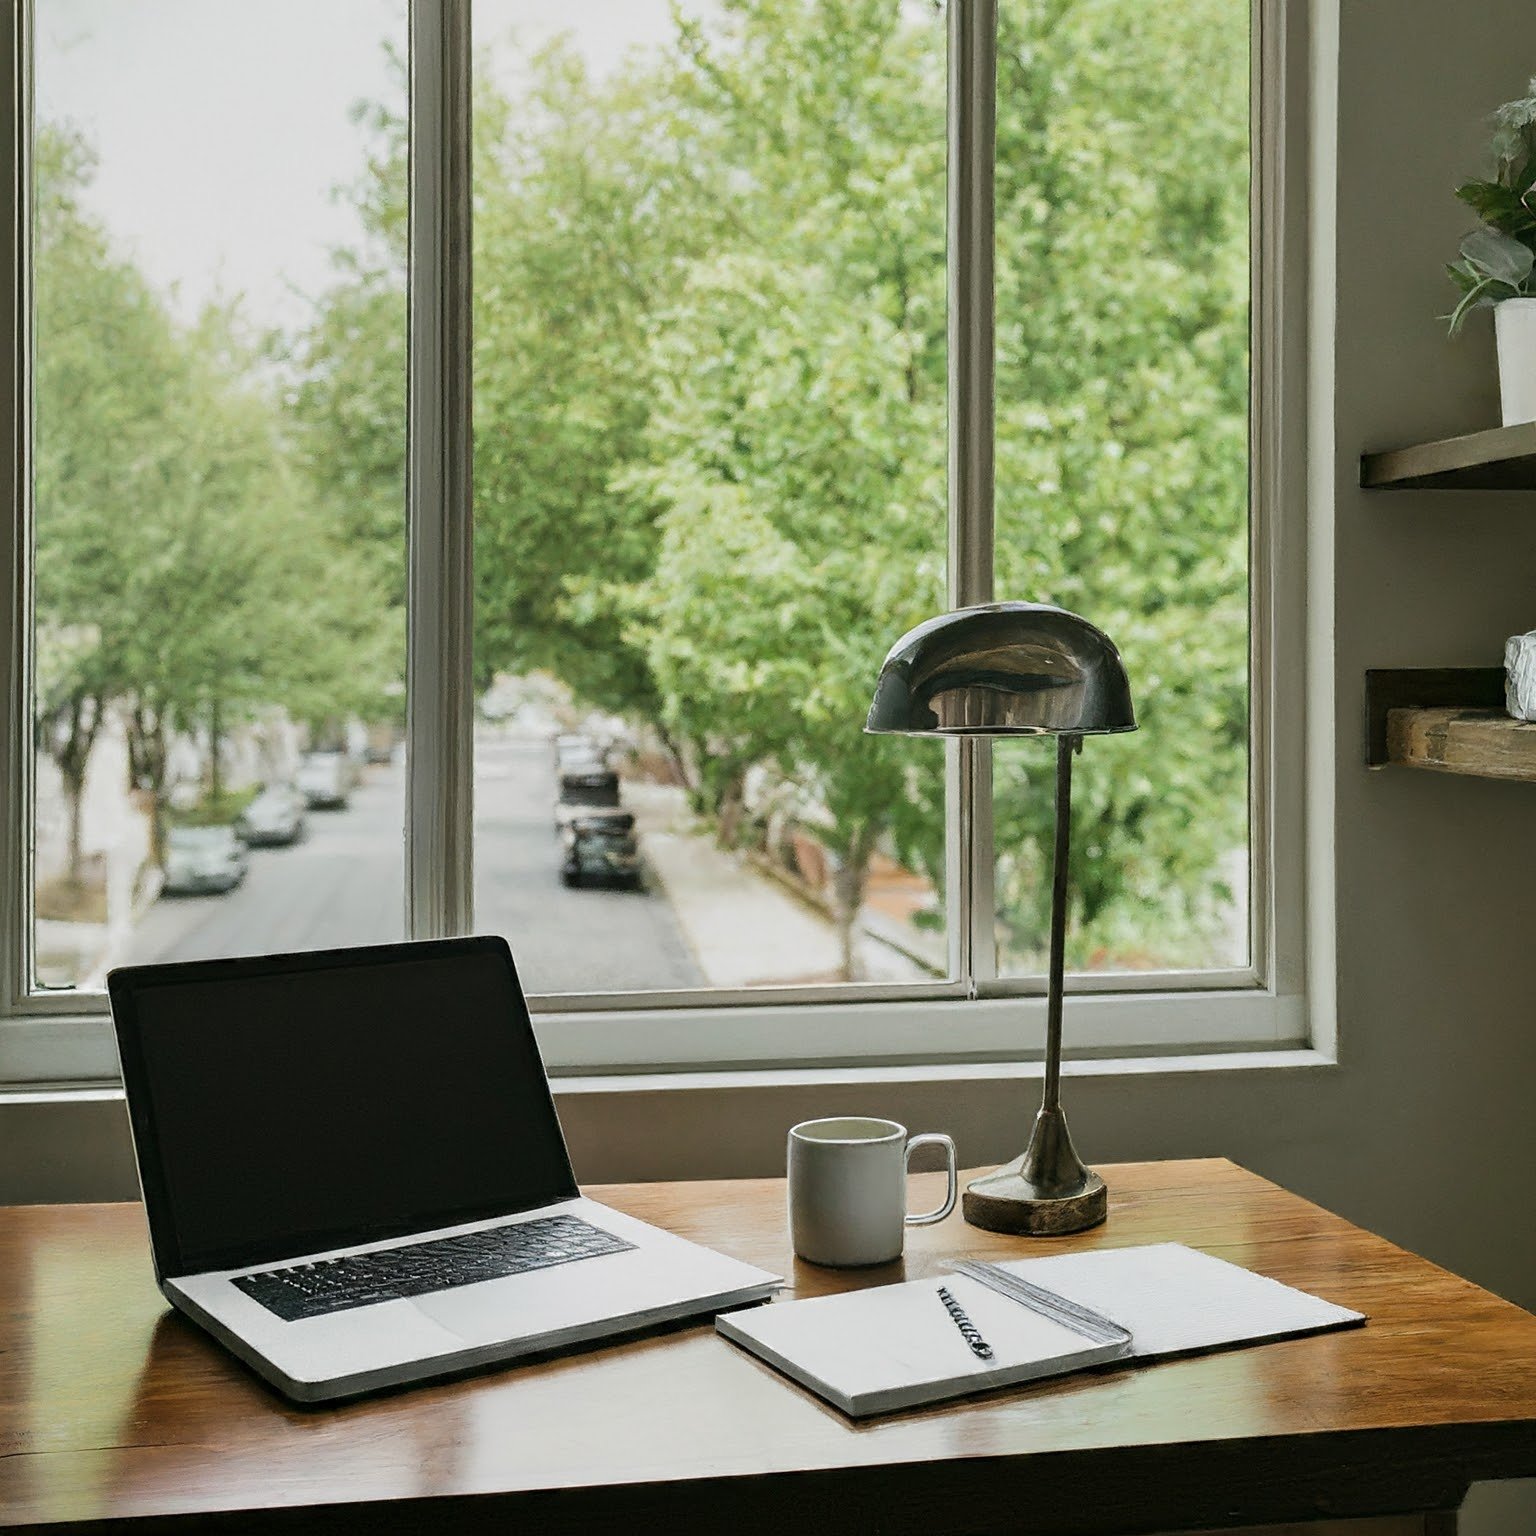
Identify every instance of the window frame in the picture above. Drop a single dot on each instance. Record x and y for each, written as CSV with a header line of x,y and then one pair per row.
x,y
976,1015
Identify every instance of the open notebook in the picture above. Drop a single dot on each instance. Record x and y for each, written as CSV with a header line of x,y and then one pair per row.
x,y
896,1346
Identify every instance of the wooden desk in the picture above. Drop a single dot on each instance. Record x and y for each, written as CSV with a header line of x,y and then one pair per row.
x,y
115,1415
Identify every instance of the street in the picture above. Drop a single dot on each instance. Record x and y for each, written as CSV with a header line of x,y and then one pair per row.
x,y
343,884
583,940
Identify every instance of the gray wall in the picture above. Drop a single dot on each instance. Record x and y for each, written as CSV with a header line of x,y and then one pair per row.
x,y
1425,1132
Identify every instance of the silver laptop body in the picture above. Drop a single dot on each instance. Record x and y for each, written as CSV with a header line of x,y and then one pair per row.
x,y
355,1177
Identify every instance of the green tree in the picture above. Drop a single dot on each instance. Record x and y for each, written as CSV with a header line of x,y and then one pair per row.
x,y
345,398
246,594
186,573
780,420
710,350
589,205
107,371
1122,387
1122,383
796,441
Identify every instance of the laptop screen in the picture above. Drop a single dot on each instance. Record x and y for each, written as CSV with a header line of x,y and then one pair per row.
x,y
290,1104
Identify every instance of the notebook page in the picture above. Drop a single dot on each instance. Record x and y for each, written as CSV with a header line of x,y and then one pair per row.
x,y
1175,1299
896,1345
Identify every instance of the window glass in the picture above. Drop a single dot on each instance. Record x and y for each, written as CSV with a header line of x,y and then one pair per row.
x,y
709,487
219,430
709,480
1122,462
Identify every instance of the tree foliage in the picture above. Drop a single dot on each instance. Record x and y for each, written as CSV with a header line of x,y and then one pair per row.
x,y
793,461
186,574
1122,449
710,412
710,418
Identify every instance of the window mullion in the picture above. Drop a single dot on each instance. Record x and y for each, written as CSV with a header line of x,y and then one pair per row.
x,y
16,547
971,239
439,706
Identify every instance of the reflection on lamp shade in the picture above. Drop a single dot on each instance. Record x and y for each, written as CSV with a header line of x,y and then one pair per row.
x,y
1003,669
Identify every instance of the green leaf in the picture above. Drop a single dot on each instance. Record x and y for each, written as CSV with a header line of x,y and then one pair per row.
x,y
1499,207
1498,256
1472,298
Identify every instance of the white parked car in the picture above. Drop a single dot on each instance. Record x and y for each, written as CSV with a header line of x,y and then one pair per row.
x,y
203,859
579,754
274,818
325,780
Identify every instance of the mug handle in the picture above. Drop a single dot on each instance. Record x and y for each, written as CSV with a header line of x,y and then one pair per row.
x,y
935,1139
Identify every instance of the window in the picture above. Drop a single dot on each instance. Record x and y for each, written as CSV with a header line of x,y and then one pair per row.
x,y
714,328
1122,463
218,604
709,327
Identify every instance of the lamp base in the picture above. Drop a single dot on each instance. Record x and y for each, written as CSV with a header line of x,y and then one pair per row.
x,y
1004,1202
1045,1192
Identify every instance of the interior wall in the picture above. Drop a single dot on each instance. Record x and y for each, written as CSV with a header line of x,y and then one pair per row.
x,y
1425,1130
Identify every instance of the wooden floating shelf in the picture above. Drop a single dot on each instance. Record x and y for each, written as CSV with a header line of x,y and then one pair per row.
x,y
1483,743
1393,691
1446,719
1502,459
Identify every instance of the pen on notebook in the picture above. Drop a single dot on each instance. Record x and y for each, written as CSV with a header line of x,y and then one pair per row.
x,y
968,1330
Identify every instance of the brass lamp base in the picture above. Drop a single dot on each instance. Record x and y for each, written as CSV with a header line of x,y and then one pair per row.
x,y
1047,1192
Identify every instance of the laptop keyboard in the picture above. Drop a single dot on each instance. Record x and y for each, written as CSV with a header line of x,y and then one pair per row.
x,y
440,1264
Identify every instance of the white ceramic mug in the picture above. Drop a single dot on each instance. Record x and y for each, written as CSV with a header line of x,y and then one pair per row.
x,y
848,1189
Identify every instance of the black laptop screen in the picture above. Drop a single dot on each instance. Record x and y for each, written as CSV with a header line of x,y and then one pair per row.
x,y
287,1106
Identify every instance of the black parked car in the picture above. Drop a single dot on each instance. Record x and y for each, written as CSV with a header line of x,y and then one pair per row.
x,y
601,849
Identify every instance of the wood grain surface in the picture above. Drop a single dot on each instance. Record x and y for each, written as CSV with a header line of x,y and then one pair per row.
x,y
114,1412
1484,743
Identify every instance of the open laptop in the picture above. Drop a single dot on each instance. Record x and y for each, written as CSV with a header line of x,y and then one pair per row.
x,y
355,1177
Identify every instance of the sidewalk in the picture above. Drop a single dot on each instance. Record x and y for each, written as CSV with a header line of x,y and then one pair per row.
x,y
745,929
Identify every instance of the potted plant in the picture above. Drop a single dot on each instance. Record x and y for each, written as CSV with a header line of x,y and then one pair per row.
x,y
1497,259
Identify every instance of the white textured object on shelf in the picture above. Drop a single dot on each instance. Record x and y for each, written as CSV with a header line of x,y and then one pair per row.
x,y
1520,676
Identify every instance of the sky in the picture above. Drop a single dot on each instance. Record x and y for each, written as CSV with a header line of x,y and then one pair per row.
x,y
222,126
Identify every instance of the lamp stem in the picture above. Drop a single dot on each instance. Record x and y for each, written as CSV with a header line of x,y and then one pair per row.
x,y
1066,746
1047,1190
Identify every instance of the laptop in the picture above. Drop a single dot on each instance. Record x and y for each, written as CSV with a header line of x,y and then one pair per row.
x,y
355,1177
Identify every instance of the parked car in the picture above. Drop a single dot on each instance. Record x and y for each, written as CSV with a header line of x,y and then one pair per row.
x,y
203,859
578,754
586,790
325,780
274,818
601,849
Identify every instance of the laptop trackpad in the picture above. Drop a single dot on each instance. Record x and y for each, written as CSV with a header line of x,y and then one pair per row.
x,y
551,1300
477,1313
525,1306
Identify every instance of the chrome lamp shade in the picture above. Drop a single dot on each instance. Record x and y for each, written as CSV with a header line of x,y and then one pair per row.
x,y
1019,669
1003,669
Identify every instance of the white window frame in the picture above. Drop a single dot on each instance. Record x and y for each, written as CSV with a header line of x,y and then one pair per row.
x,y
980,1016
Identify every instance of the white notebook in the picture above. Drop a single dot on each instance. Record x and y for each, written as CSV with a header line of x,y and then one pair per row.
x,y
897,1346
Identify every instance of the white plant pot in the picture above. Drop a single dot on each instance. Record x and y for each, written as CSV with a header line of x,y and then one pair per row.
x,y
1514,323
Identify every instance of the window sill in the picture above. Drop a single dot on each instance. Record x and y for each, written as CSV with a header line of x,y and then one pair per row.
x,y
769,1079
946,1035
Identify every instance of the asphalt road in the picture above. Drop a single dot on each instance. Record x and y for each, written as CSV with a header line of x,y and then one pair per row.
x,y
583,940
344,883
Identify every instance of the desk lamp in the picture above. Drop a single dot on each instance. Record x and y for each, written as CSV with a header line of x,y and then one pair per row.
x,y
1018,669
